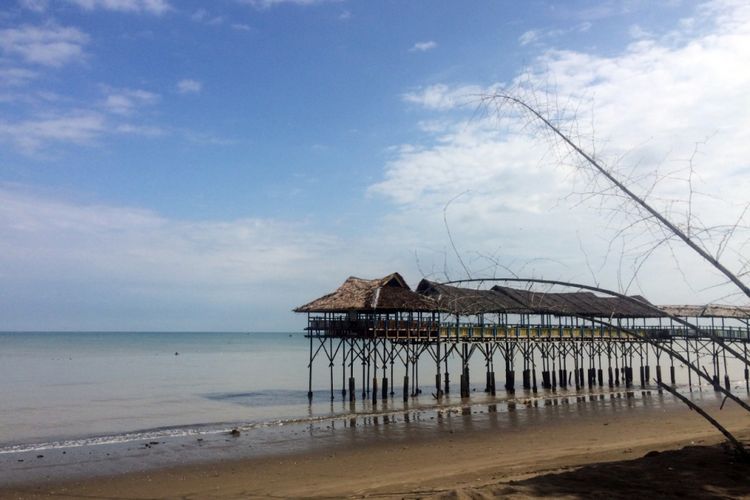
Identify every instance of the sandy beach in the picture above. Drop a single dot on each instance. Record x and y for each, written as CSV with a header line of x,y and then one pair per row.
x,y
662,451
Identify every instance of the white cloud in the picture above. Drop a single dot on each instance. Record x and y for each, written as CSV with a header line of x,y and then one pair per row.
x,y
265,4
423,46
32,134
126,101
176,273
156,7
649,106
528,36
55,120
443,97
202,16
166,250
188,86
199,15
34,5
241,27
537,36
635,31
12,77
141,130
48,45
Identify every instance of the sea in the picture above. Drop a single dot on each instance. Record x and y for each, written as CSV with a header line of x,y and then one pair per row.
x,y
68,399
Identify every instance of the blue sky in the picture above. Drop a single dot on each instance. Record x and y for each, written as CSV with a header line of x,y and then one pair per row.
x,y
208,166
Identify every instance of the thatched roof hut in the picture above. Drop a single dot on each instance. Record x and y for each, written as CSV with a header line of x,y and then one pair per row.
x,y
387,294
392,294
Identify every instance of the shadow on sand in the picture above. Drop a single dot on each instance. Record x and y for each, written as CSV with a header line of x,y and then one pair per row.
x,y
692,472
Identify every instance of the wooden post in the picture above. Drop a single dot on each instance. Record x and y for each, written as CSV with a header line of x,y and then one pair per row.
x,y
330,363
384,394
352,396
447,378
690,372
406,373
363,355
309,366
438,377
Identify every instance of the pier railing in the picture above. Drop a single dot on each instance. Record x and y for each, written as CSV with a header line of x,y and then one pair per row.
x,y
434,330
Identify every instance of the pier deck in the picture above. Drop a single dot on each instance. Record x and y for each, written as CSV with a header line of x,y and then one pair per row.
x,y
555,339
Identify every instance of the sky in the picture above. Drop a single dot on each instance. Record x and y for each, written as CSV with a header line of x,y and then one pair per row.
x,y
208,166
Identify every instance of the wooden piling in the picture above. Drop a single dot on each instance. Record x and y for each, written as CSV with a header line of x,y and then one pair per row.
x,y
309,366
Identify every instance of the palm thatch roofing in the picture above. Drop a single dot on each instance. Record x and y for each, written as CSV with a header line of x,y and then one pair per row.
x,y
467,301
503,299
708,311
581,303
392,294
387,294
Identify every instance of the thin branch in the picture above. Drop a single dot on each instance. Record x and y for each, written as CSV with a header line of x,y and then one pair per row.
x,y
639,201
450,236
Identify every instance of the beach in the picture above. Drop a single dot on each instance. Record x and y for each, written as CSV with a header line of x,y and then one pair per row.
x,y
608,451
352,249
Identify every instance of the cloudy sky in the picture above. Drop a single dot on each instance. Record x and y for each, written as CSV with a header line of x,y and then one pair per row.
x,y
179,165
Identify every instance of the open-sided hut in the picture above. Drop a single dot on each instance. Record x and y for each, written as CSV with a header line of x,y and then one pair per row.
x,y
572,337
361,307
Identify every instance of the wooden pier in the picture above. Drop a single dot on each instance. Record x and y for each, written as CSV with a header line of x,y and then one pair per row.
x,y
370,331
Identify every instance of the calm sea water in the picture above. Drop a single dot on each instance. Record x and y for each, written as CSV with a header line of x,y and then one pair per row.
x,y
56,386
83,404
71,389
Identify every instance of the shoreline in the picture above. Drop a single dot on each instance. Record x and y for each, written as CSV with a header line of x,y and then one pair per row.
x,y
434,455
148,450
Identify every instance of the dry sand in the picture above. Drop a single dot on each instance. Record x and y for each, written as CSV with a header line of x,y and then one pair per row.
x,y
588,457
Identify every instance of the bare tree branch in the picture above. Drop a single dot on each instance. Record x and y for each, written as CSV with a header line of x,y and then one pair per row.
x,y
500,98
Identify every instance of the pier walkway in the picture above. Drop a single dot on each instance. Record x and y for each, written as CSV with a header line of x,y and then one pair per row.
x,y
371,328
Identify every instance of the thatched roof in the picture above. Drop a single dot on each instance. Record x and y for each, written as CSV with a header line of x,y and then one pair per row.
x,y
579,303
390,293
457,300
503,299
708,311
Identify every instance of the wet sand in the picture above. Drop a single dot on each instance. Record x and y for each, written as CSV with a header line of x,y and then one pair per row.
x,y
466,456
